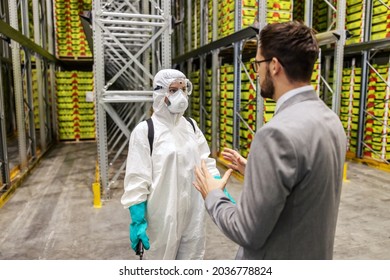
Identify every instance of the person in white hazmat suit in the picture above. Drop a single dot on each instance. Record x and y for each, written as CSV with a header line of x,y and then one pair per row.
x,y
167,212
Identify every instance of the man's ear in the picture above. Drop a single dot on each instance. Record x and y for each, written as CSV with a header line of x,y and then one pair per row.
x,y
276,66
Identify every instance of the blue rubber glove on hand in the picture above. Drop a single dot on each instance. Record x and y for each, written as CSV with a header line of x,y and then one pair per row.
x,y
138,226
226,191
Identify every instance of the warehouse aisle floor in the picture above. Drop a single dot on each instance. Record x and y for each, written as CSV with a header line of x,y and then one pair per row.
x,y
51,216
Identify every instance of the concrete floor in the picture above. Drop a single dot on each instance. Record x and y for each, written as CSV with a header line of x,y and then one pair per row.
x,y
51,216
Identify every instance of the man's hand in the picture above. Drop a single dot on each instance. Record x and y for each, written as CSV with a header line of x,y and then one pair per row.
x,y
238,163
205,182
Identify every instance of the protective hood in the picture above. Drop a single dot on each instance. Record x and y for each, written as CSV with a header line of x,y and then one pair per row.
x,y
161,83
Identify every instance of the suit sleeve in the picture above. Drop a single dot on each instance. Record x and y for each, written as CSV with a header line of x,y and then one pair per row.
x,y
269,178
138,177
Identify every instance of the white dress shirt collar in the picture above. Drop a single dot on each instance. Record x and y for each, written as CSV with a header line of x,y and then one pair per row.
x,y
290,94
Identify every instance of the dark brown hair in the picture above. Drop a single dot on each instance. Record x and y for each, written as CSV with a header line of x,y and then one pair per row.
x,y
294,45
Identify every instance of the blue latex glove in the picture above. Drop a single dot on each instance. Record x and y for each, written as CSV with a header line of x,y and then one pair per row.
x,y
138,226
226,191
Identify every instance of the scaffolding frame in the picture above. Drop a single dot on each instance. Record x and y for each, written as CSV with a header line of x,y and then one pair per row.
x,y
131,42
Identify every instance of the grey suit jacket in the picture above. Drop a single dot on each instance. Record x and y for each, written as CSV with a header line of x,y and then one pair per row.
x,y
289,203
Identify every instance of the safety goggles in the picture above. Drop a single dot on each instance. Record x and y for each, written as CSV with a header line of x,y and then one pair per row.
x,y
184,84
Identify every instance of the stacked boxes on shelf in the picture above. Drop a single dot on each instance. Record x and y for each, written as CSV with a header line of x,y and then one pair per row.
x,y
76,116
71,39
355,20
269,109
209,31
277,11
35,98
226,17
195,96
320,15
195,25
316,75
349,105
35,94
248,108
377,138
226,105
380,20
299,10
208,104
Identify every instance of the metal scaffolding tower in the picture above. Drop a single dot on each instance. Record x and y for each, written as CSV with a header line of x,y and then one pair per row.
x,y
131,42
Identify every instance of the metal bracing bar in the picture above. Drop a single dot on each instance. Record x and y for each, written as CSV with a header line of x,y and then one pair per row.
x,y
378,74
113,114
331,6
118,67
17,75
130,29
246,33
245,123
125,99
113,130
132,23
326,84
114,58
133,58
118,132
135,36
17,36
121,67
130,15
128,92
247,74
384,4
375,152
125,143
376,118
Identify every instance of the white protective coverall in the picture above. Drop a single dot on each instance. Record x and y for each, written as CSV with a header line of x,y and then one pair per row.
x,y
175,209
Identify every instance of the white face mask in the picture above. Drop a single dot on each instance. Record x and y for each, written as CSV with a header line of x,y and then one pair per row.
x,y
178,102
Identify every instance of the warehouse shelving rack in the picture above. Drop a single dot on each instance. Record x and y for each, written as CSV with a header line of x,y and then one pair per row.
x,y
131,43
19,56
365,53
237,40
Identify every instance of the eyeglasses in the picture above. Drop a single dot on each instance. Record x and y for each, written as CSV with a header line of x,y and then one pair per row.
x,y
256,63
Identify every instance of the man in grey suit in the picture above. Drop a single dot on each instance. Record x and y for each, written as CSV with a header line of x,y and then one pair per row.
x,y
289,202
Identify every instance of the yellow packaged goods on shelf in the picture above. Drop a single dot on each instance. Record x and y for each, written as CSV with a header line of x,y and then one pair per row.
x,y
279,5
248,95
